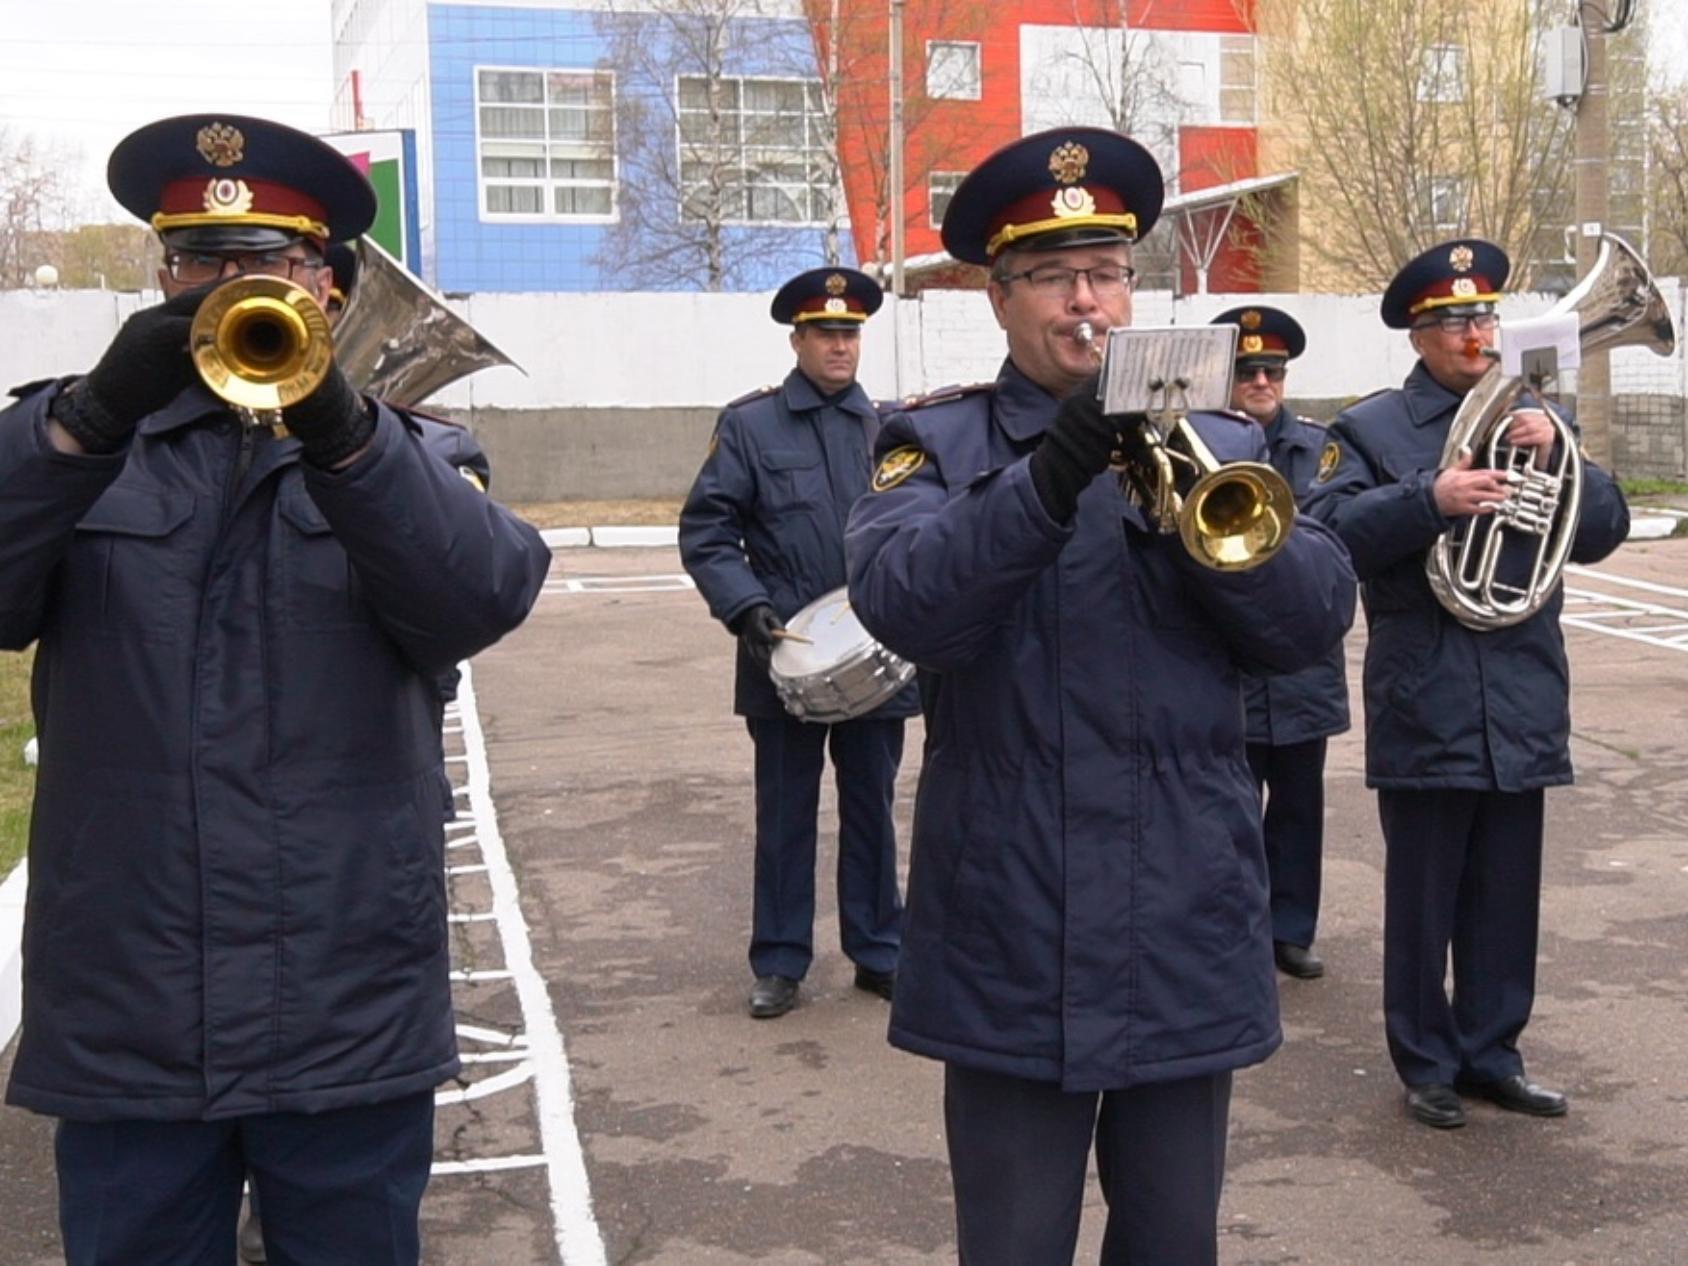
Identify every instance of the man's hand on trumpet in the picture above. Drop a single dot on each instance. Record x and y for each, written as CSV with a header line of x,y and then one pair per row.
x,y
1075,449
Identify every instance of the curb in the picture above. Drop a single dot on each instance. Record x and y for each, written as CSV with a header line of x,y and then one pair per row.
x,y
1651,527
11,951
609,537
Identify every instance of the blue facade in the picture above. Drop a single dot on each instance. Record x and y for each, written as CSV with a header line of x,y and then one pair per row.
x,y
475,253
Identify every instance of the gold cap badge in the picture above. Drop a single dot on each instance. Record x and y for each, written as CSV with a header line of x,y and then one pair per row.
x,y
836,305
1461,258
227,197
1249,320
1073,200
1068,163
836,285
221,145
1464,287
1252,343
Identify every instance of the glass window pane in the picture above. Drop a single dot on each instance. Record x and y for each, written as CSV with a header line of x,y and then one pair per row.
x,y
568,124
512,121
515,199
512,85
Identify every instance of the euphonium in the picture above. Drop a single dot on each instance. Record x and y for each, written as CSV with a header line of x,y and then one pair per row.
x,y
1472,571
1231,516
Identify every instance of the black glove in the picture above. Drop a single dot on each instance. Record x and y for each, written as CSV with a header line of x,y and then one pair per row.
x,y
144,369
333,422
755,628
1074,450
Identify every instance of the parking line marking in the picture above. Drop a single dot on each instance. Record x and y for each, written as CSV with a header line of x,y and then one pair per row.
x,y
577,1237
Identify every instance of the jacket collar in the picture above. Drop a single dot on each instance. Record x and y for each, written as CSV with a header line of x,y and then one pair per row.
x,y
1023,410
802,395
194,402
1427,400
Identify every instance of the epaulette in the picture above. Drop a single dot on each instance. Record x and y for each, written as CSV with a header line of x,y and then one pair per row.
x,y
943,395
414,412
748,396
1370,395
1307,421
30,388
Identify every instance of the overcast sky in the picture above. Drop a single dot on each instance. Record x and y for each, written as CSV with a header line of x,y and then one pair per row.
x,y
80,74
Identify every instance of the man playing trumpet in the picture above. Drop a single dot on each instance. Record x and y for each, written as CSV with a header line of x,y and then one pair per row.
x,y
1463,728
235,949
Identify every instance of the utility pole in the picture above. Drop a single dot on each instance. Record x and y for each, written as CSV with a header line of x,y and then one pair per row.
x,y
1594,379
896,173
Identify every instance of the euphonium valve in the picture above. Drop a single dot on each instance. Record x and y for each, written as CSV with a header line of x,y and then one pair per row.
x,y
261,343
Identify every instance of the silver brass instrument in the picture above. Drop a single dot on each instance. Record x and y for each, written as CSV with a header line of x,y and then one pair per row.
x,y
263,343
1231,516
1493,571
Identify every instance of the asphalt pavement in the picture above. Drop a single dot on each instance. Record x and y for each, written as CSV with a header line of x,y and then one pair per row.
x,y
622,1108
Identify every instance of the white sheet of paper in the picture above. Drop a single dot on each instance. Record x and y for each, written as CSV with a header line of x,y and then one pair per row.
x,y
1561,333
1138,357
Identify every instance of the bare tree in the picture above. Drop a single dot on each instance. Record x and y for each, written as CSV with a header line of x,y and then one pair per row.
x,y
938,135
712,162
104,256
1667,139
36,194
1414,120
1130,78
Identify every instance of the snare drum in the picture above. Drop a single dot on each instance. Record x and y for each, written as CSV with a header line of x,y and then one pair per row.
x,y
841,672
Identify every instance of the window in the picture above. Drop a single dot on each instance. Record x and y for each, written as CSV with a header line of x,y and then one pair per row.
x,y
761,156
1441,74
545,143
1447,204
940,185
952,71
1236,79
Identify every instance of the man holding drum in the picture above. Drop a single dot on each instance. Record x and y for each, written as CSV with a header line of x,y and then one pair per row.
x,y
762,534
1088,946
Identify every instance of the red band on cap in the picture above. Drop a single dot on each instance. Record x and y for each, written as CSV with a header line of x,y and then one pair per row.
x,y
201,196
1464,288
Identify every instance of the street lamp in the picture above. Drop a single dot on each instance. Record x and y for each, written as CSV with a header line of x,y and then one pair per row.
x,y
46,276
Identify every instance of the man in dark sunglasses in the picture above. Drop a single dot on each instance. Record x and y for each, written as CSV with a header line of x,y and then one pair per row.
x,y
1291,716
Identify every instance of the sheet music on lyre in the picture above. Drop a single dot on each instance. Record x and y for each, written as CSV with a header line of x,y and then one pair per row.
x,y
1138,358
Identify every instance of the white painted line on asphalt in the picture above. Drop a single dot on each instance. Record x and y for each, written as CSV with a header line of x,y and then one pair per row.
x,y
516,1076
490,1037
487,1164
465,974
11,951
492,1057
476,868
578,1239
1629,582
476,916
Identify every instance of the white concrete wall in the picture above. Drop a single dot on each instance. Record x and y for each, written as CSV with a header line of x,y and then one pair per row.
x,y
699,350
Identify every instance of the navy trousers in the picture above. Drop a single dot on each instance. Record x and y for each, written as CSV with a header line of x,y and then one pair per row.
x,y
1291,779
1019,1150
339,1188
790,756
1463,871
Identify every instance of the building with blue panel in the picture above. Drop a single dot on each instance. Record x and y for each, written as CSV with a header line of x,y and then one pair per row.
x,y
602,146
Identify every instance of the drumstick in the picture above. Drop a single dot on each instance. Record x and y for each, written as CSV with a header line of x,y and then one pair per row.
x,y
786,635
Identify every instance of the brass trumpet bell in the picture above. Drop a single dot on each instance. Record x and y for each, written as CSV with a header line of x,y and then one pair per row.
x,y
1237,516
261,342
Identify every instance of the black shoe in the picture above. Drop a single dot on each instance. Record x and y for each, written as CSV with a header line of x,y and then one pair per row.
x,y
1516,1095
252,1240
771,996
1436,1105
883,983
1297,960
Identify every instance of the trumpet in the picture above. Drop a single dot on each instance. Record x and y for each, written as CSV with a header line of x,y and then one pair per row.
x,y
261,343
1231,516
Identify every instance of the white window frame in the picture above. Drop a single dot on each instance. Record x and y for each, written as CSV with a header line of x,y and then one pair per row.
x,y
1233,46
933,216
1441,75
547,182
940,88
814,121
1443,188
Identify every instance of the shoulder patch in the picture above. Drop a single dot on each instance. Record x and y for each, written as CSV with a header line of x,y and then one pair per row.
x,y
943,395
473,478
897,465
1329,459
748,396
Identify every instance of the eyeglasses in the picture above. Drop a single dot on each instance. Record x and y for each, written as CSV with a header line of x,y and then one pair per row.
x,y
1053,279
1246,373
1457,324
197,267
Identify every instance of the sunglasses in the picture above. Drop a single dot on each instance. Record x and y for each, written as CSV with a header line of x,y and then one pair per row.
x,y
1248,373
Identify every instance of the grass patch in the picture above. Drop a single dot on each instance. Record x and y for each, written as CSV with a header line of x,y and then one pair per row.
x,y
1653,487
17,780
